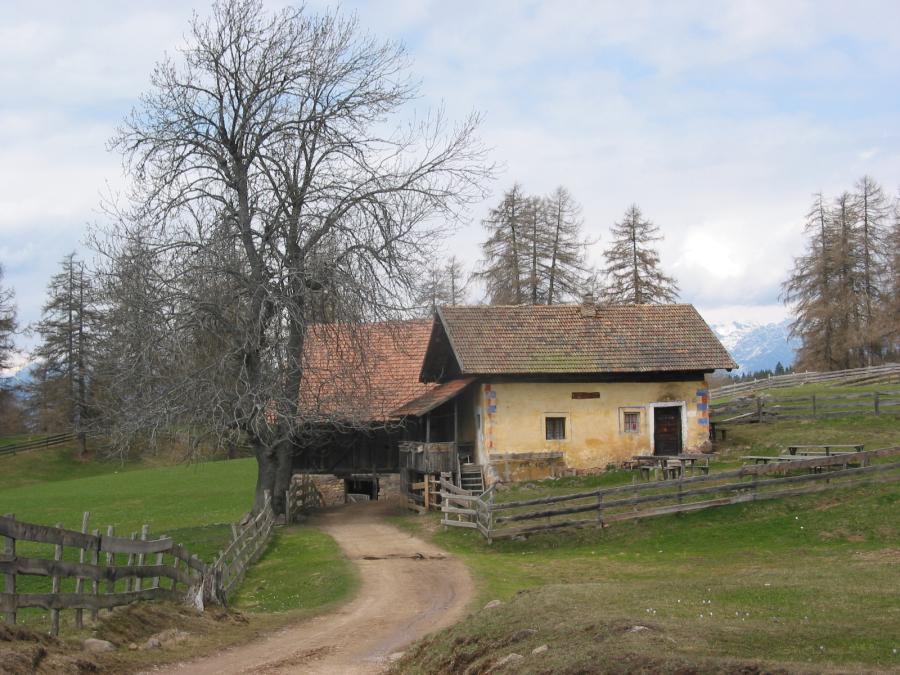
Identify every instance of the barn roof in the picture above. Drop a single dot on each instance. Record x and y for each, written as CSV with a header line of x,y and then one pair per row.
x,y
573,339
363,372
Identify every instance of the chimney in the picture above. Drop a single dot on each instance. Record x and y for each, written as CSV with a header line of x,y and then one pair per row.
x,y
588,308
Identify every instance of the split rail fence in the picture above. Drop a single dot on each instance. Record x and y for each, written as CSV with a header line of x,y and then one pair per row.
x,y
496,520
90,572
37,443
301,496
753,409
889,372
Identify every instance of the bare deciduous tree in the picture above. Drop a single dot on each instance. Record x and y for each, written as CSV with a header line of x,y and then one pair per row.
x,y
632,267
269,172
443,285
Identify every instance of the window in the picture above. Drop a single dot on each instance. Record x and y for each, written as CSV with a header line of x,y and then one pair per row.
x,y
556,428
631,423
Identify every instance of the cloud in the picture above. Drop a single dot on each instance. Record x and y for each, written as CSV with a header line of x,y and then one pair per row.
x,y
719,119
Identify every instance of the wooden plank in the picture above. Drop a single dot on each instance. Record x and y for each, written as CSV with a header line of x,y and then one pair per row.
x,y
95,584
138,580
459,523
133,546
110,561
9,578
43,534
54,612
59,601
79,581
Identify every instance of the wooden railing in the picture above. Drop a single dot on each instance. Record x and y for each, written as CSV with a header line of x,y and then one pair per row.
x,y
496,520
769,409
111,571
301,496
428,457
248,544
38,443
890,372
114,571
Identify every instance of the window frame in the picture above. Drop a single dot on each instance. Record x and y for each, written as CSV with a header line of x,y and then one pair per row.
x,y
642,419
563,419
626,428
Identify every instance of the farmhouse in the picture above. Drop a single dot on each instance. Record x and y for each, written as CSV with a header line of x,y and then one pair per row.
x,y
511,392
536,390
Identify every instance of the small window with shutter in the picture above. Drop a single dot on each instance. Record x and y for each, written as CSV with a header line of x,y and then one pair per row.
x,y
556,428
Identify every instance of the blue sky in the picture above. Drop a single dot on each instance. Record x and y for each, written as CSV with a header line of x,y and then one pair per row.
x,y
720,119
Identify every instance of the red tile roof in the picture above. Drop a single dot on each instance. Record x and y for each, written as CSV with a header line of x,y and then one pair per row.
x,y
434,398
560,339
363,372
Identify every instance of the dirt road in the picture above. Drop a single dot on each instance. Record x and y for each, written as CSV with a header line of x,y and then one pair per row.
x,y
409,588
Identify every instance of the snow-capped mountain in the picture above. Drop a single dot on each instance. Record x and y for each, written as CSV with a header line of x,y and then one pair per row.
x,y
758,346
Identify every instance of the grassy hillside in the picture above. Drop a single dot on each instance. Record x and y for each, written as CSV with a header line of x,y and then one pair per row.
x,y
194,504
806,583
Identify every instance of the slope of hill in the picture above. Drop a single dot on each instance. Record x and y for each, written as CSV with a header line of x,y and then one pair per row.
x,y
758,346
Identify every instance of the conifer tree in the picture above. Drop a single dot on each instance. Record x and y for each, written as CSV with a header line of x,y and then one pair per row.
x,y
7,323
67,343
632,268
505,249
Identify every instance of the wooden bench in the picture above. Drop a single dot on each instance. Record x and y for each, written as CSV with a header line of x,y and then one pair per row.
x,y
828,448
765,459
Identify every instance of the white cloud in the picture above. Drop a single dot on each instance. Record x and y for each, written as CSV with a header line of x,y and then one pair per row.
x,y
719,119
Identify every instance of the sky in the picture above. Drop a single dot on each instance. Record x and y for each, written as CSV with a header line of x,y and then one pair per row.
x,y
719,119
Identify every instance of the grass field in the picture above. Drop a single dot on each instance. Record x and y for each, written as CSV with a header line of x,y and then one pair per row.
x,y
193,504
808,583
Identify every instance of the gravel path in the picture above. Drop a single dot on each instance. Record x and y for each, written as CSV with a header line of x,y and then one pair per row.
x,y
409,589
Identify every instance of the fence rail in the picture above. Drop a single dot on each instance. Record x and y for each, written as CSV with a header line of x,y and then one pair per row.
x,y
495,520
770,409
113,571
44,442
889,372
302,495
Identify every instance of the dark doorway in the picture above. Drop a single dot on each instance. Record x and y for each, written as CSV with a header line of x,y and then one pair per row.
x,y
667,430
359,485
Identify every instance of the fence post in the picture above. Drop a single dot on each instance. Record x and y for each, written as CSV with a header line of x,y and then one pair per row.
x,y
9,579
759,410
287,507
130,580
54,613
139,581
110,560
95,585
490,510
79,582
814,405
877,404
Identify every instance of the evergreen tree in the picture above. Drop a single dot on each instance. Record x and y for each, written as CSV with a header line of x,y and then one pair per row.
x,y
632,268
67,331
505,249
7,323
535,253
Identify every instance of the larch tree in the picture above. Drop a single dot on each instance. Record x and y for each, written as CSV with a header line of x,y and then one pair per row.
x,y
566,273
8,324
633,273
442,285
534,253
66,349
808,289
872,210
505,251
268,165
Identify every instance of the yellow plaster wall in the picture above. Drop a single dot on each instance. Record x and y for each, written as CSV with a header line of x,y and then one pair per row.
x,y
593,435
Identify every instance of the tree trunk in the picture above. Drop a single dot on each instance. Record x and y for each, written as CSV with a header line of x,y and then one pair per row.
x,y
274,470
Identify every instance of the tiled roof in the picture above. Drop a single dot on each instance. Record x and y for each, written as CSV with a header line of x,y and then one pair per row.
x,y
363,372
435,397
559,339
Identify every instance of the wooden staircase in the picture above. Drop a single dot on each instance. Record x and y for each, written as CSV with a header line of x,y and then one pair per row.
x,y
471,478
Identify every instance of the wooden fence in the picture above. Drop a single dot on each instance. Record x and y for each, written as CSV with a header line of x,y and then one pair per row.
x,y
113,571
889,372
37,443
495,520
301,496
247,545
814,406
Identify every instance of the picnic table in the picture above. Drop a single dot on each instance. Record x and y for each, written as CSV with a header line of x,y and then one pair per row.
x,y
665,466
765,459
825,449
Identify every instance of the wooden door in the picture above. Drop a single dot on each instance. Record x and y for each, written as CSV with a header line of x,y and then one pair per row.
x,y
667,430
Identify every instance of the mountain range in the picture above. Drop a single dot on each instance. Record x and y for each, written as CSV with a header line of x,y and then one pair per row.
x,y
757,346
